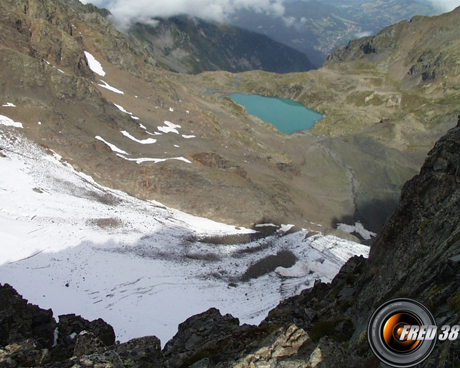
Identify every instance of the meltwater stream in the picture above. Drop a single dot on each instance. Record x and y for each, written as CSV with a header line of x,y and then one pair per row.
x,y
286,115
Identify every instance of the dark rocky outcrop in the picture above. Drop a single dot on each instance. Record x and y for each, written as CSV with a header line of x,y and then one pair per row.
x,y
70,326
416,255
30,336
20,320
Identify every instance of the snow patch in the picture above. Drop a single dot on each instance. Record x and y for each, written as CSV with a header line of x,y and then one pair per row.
x,y
356,228
122,109
55,337
300,269
94,65
141,141
109,87
285,228
8,104
9,122
188,136
155,160
112,146
169,128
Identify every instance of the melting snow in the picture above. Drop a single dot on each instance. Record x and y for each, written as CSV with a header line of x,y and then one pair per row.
x,y
142,126
112,146
9,122
143,141
122,109
94,65
74,246
300,269
9,104
109,87
169,128
155,160
356,228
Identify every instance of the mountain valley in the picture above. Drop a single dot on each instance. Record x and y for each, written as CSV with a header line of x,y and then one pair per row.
x,y
240,170
143,195
317,27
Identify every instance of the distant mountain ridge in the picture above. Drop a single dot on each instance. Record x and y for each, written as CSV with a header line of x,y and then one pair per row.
x,y
185,44
316,28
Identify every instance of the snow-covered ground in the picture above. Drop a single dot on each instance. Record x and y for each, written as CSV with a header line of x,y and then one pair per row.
x,y
76,247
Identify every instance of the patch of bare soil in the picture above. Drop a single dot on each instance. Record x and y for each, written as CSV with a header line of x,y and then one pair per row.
x,y
105,223
283,258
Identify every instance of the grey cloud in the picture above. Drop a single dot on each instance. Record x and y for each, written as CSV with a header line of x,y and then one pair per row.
x,y
444,5
127,11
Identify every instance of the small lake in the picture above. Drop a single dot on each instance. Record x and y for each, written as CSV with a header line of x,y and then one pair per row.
x,y
286,115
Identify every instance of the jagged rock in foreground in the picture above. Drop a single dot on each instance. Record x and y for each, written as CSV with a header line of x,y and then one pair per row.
x,y
417,255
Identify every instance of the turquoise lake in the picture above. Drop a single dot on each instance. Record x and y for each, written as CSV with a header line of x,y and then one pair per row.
x,y
286,115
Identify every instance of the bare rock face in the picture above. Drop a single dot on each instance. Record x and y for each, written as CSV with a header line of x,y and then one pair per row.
x,y
20,320
199,337
26,331
329,353
417,255
143,352
286,347
69,330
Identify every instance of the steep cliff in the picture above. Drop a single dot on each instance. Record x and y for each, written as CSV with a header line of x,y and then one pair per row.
x,y
416,255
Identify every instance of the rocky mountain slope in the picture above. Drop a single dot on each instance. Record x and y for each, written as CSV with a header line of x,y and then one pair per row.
x,y
192,45
233,161
416,255
235,168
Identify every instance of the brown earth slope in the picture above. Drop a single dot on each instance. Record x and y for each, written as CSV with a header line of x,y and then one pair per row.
x,y
235,168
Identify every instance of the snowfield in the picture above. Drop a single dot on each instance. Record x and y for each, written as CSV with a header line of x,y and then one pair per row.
x,y
94,65
74,246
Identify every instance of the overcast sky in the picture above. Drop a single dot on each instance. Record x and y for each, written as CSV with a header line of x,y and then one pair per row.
x,y
126,11
445,5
